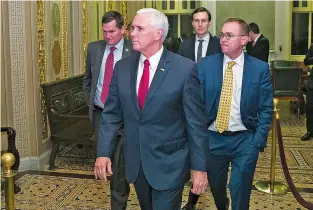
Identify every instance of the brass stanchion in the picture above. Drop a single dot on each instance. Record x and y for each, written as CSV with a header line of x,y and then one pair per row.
x,y
7,161
272,186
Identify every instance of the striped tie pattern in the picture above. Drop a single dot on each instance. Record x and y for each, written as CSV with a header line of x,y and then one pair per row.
x,y
108,73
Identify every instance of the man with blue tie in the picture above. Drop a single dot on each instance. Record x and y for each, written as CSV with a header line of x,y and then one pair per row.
x,y
156,95
238,94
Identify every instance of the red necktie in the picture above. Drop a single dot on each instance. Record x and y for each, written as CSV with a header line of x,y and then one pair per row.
x,y
108,73
144,84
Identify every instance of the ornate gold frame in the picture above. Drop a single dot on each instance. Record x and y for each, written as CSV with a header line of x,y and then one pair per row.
x,y
42,64
64,39
85,31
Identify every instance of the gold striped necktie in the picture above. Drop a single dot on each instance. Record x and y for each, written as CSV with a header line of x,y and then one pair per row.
x,y
223,114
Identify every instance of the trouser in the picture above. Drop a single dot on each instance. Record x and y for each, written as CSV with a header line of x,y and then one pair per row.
x,y
118,185
309,110
151,199
241,154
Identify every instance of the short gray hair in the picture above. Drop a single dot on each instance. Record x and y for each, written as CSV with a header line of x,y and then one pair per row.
x,y
158,20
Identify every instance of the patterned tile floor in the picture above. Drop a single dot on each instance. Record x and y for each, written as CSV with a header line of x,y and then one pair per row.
x,y
71,185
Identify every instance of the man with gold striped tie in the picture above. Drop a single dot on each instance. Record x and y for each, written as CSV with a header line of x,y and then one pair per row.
x,y
237,92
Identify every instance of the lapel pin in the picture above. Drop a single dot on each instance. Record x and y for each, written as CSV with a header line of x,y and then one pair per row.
x,y
126,49
162,69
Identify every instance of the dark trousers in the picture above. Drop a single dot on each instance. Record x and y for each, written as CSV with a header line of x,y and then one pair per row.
x,y
118,185
241,154
151,199
309,109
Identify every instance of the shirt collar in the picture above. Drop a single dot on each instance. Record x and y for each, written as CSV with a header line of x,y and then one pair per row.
x,y
239,60
153,60
256,39
206,38
118,46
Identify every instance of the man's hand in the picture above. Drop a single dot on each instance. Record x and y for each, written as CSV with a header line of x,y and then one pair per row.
x,y
102,165
199,182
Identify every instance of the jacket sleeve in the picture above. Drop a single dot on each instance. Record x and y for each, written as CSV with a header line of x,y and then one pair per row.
x,y
88,76
265,109
196,121
111,118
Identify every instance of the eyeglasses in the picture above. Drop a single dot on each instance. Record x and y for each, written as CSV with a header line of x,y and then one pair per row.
x,y
228,36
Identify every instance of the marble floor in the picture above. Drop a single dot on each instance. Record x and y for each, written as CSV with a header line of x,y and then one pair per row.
x,y
72,185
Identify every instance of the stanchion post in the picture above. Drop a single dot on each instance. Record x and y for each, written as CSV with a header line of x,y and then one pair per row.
x,y
272,186
274,148
7,161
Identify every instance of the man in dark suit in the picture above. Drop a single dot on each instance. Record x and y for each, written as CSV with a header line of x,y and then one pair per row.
x,y
308,60
156,95
259,46
203,43
101,57
238,95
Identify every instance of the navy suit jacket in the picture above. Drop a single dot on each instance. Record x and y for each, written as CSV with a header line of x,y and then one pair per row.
x,y
187,47
256,104
260,50
168,136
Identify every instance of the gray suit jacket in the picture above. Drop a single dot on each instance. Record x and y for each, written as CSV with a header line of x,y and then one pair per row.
x,y
94,58
168,136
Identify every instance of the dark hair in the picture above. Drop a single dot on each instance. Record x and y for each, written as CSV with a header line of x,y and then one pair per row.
x,y
129,25
201,9
113,15
254,28
244,28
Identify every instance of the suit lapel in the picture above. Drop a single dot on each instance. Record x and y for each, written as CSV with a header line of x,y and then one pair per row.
x,y
161,71
219,78
133,78
210,45
192,48
126,48
247,73
98,62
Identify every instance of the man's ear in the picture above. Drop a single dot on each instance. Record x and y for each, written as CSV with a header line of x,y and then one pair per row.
x,y
159,34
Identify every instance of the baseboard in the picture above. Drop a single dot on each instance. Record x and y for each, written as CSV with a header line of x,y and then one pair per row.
x,y
35,163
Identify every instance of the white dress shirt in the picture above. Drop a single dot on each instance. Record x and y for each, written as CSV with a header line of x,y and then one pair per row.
x,y
235,122
154,62
205,44
117,56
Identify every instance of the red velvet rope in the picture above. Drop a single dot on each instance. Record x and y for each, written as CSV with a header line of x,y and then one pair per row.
x,y
291,185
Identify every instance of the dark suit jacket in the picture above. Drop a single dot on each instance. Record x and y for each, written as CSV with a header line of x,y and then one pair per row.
x,y
168,136
187,47
260,50
94,58
256,104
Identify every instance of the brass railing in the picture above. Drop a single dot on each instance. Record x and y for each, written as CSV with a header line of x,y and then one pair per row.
x,y
271,186
7,161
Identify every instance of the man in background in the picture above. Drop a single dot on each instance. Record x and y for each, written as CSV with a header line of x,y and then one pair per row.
x,y
195,48
202,43
258,46
101,58
308,60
